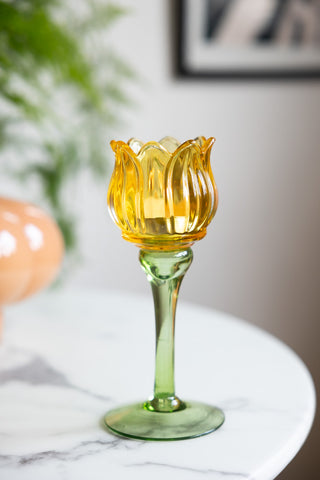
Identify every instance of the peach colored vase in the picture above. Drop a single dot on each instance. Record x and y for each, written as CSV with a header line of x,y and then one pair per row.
x,y
31,250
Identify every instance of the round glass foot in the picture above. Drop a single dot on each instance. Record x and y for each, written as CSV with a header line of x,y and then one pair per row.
x,y
136,421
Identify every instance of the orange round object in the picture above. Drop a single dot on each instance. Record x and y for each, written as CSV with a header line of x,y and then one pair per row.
x,y
31,250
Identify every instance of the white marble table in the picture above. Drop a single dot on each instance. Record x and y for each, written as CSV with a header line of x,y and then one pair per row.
x,y
66,358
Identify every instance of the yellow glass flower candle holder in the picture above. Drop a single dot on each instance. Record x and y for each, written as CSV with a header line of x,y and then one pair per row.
x,y
163,195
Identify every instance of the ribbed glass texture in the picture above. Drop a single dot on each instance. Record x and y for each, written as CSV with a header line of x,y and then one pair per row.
x,y
163,195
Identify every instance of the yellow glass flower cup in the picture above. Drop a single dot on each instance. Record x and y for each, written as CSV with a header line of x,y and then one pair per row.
x,y
163,195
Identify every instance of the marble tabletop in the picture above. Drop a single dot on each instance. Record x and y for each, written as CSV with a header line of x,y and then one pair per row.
x,y
66,358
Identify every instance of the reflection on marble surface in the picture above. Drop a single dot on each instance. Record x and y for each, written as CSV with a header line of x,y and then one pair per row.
x,y
68,358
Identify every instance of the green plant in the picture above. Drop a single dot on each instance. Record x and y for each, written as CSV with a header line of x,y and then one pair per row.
x,y
60,90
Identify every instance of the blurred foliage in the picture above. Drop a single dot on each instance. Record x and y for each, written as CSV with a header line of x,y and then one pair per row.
x,y
60,91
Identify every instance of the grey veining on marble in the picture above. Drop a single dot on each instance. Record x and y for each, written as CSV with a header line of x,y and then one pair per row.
x,y
66,358
208,471
38,372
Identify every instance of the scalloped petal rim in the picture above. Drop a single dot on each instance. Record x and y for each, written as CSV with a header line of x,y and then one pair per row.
x,y
201,142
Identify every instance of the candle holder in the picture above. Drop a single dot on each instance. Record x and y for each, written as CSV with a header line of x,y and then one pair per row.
x,y
163,195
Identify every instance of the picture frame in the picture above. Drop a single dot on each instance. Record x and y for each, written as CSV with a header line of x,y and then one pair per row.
x,y
217,39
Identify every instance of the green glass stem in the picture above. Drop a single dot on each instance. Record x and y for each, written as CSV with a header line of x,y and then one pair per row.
x,y
165,271
164,416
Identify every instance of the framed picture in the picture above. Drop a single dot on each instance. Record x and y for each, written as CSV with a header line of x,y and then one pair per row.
x,y
234,39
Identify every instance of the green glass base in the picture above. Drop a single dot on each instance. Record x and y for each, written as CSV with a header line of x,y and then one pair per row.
x,y
137,421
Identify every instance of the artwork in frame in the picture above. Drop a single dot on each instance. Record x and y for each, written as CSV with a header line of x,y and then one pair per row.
x,y
234,39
